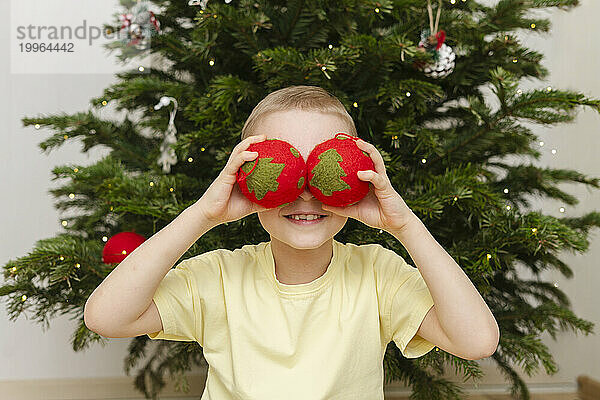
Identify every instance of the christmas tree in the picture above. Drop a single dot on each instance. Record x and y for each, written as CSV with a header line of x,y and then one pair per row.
x,y
328,173
411,75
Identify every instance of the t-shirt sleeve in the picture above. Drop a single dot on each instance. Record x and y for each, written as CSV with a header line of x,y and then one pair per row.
x,y
406,301
179,305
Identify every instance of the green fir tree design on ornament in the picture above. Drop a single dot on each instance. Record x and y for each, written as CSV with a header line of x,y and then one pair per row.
x,y
264,177
328,173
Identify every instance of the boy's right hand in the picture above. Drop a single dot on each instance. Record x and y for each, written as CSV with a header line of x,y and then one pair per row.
x,y
223,201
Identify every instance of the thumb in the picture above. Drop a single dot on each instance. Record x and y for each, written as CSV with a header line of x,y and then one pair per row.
x,y
348,211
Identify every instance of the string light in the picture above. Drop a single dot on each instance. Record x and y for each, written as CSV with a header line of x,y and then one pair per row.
x,y
104,102
505,190
488,255
151,183
13,269
514,60
541,144
64,223
330,46
556,284
553,151
104,238
423,160
562,209
532,26
377,10
407,94
355,105
71,195
190,159
202,149
211,62
171,189
23,298
37,126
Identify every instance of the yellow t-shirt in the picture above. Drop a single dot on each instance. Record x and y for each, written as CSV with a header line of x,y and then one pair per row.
x,y
325,339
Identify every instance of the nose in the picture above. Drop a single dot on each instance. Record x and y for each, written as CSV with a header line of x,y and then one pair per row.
x,y
306,195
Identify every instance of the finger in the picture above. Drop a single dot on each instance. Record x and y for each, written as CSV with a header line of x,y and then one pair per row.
x,y
234,163
240,154
374,154
378,181
244,144
348,211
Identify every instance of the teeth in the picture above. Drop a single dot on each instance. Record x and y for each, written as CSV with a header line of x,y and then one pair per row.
x,y
309,217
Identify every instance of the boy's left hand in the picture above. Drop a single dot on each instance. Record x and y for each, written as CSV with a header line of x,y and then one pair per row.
x,y
382,207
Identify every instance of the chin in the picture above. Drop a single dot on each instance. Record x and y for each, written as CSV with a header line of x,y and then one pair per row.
x,y
299,235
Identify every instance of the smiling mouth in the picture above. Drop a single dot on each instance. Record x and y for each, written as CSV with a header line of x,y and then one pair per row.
x,y
305,219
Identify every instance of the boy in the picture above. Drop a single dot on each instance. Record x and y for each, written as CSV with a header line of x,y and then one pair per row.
x,y
302,316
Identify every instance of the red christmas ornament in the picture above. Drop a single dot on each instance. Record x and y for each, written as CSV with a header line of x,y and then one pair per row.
x,y
277,176
331,171
120,246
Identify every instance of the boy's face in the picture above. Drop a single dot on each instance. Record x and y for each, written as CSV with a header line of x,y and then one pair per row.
x,y
304,130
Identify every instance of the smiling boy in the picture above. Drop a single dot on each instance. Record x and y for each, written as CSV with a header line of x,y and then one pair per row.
x,y
301,316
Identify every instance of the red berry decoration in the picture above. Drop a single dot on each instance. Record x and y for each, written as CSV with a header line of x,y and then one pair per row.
x,y
120,246
331,167
276,177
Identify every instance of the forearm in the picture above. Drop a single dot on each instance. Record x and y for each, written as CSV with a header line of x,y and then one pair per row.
x,y
461,311
128,290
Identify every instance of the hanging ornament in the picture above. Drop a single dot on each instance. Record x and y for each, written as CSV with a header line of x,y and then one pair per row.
x,y
139,25
276,177
332,168
201,3
167,154
120,246
432,42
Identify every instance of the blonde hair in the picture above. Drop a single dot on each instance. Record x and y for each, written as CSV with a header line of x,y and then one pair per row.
x,y
307,98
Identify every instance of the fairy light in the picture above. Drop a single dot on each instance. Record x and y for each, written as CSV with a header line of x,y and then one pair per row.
x,y
65,137
104,102
64,223
72,195
330,46
505,190
515,60
541,144
532,26
23,298
377,10
190,159
13,269
423,160
553,151
37,126
407,94
508,207
104,239
211,62
488,255
171,189
202,149
355,105
534,230
562,209
549,88
151,183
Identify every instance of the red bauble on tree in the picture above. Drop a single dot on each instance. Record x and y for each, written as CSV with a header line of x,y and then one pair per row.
x,y
277,176
331,171
120,246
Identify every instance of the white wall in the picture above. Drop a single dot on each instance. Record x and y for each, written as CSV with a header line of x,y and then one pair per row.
x,y
28,214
